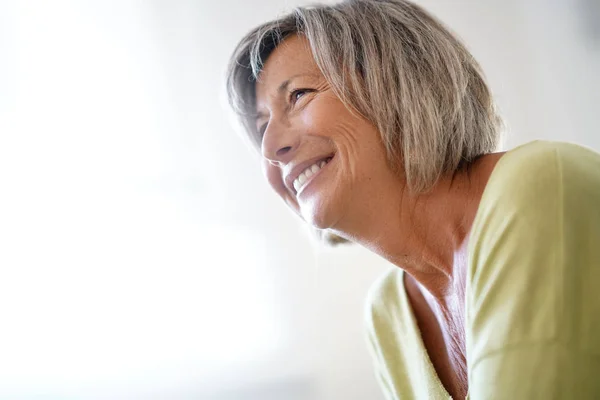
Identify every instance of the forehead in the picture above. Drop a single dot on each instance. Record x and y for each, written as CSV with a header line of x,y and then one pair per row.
x,y
291,58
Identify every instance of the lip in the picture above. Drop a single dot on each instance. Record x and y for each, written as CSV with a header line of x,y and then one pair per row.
x,y
297,169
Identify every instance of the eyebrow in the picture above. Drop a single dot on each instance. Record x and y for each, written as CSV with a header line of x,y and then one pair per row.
x,y
283,87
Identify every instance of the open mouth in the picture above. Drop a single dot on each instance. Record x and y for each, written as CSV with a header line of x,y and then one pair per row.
x,y
309,173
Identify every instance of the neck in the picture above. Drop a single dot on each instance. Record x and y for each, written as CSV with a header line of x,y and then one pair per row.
x,y
424,234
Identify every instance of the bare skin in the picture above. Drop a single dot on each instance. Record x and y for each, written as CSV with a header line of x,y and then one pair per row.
x,y
358,196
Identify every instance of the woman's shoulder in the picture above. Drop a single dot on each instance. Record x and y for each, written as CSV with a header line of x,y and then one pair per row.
x,y
533,188
526,175
535,194
533,260
545,161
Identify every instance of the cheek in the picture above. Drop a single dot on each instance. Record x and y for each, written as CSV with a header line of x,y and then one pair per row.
x,y
273,175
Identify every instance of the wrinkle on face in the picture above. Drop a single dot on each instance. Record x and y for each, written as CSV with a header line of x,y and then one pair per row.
x,y
318,124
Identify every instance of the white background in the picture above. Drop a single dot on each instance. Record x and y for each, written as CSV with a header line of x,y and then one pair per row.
x,y
141,253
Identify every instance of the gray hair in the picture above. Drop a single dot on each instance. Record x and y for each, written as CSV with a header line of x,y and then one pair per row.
x,y
397,66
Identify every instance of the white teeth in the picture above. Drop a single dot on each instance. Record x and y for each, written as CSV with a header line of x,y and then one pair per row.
x,y
307,173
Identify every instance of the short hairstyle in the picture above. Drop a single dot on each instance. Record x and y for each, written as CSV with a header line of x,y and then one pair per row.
x,y
397,66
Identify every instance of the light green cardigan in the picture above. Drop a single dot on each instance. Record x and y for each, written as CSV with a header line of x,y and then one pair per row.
x,y
533,288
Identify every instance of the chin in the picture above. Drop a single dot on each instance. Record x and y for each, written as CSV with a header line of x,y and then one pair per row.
x,y
317,223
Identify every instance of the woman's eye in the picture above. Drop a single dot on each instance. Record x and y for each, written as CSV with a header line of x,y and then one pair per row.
x,y
261,131
295,95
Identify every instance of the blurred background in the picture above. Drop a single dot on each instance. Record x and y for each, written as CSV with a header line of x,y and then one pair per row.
x,y
142,256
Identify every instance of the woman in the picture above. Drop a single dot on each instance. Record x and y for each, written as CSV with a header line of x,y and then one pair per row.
x,y
375,123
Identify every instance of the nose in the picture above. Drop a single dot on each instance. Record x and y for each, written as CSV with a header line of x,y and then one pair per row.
x,y
279,142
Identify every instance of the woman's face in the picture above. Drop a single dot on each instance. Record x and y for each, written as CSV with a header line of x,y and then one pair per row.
x,y
321,159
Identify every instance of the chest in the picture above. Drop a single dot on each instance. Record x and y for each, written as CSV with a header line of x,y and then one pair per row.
x,y
445,345
447,357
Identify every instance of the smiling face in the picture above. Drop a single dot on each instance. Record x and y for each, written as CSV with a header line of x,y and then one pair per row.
x,y
323,160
